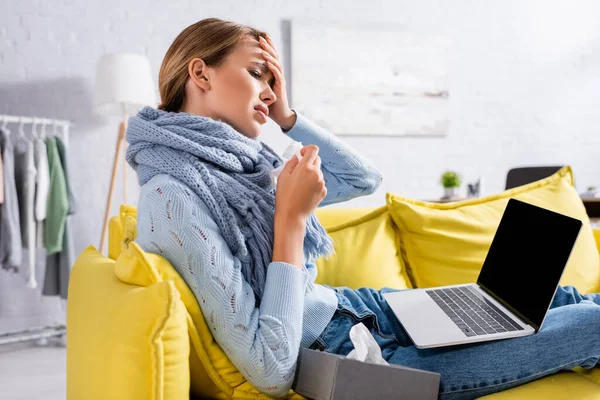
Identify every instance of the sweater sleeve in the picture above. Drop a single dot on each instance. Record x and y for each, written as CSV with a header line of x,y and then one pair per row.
x,y
262,342
347,174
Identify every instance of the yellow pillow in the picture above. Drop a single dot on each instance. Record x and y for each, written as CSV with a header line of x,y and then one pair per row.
x,y
143,350
330,216
446,243
212,374
366,254
149,334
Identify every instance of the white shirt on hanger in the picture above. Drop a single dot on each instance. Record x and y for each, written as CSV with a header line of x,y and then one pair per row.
x,y
42,187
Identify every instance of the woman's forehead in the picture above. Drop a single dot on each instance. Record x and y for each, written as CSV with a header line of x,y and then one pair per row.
x,y
249,47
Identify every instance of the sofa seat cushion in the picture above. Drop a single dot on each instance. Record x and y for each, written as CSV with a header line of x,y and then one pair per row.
x,y
562,385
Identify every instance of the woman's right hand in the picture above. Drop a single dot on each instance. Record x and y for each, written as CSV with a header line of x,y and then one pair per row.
x,y
300,186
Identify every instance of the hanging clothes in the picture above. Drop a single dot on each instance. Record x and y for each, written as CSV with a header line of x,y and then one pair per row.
x,y
25,177
58,201
58,265
42,188
64,162
1,179
10,229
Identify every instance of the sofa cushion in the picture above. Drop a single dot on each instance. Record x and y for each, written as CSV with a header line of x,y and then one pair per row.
x,y
330,216
446,243
142,353
374,263
562,385
212,374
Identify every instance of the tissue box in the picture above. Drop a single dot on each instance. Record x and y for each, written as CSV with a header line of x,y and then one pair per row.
x,y
325,376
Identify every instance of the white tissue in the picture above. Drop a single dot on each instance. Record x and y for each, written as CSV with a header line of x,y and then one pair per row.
x,y
366,348
293,149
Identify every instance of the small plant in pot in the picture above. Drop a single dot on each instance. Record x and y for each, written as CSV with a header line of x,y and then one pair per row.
x,y
450,180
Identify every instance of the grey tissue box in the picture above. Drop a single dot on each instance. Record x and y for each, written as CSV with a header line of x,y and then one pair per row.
x,y
324,376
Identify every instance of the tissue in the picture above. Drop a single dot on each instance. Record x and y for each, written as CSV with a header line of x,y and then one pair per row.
x,y
293,149
366,348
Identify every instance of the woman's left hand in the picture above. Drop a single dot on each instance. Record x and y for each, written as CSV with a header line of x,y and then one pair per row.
x,y
279,111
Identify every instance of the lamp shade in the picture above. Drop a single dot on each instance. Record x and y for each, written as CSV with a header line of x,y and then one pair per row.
x,y
123,84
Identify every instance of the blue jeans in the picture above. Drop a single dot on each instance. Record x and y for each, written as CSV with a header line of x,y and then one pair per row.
x,y
570,337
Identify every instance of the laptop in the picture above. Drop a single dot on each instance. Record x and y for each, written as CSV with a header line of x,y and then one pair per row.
x,y
513,292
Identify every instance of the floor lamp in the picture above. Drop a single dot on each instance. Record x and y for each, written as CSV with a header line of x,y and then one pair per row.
x,y
124,86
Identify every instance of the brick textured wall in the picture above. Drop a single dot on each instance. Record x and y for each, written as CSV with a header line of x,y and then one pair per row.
x,y
525,79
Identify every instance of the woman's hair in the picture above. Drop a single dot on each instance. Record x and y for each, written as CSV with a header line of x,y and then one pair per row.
x,y
210,39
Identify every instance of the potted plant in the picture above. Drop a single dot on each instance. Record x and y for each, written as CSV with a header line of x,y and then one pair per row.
x,y
591,192
450,180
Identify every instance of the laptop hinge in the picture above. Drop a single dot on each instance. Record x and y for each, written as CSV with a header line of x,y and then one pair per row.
x,y
516,312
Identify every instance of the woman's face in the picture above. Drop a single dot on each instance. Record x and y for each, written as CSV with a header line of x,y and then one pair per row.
x,y
238,92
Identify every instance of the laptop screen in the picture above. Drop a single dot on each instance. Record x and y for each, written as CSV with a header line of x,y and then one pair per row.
x,y
526,258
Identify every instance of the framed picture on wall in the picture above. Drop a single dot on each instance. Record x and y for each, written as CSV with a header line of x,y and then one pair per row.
x,y
370,80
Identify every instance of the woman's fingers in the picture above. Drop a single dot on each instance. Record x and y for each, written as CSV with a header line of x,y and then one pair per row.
x,y
276,72
290,165
309,154
272,60
268,45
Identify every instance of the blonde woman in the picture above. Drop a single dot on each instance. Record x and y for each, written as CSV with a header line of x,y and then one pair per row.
x,y
246,247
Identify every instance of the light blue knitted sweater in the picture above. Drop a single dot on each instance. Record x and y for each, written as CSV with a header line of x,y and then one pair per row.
x,y
262,342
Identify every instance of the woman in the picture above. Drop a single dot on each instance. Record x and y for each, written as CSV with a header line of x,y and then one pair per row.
x,y
247,251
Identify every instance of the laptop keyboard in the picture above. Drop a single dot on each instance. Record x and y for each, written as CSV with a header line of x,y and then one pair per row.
x,y
471,312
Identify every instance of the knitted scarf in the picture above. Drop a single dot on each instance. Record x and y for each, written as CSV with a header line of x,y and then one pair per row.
x,y
229,172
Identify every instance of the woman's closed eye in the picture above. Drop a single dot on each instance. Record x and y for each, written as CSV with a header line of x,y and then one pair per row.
x,y
256,74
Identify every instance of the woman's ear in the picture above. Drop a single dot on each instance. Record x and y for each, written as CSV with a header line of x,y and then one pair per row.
x,y
199,73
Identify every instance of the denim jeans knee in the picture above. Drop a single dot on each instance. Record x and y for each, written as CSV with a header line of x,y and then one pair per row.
x,y
366,306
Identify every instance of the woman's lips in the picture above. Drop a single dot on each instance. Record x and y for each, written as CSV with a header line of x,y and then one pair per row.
x,y
261,116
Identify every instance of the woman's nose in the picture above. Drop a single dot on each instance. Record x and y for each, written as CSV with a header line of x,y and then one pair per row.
x,y
269,96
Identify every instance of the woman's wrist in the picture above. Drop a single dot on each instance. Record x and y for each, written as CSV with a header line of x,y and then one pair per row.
x,y
288,123
288,240
287,221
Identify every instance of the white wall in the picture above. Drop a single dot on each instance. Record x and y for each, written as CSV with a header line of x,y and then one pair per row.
x,y
525,89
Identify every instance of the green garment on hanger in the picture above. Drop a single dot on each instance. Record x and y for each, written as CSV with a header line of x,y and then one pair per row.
x,y
58,201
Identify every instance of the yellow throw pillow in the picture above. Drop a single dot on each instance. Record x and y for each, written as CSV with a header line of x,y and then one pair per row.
x,y
366,253
212,374
149,337
446,243
125,341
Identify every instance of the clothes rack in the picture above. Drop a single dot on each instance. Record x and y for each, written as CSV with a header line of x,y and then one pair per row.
x,y
40,333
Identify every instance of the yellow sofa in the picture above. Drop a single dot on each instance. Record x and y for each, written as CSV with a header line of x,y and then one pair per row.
x,y
135,330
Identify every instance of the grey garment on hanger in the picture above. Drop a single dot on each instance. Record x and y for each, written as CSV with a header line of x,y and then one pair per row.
x,y
62,152
58,265
25,178
25,182
1,178
11,251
